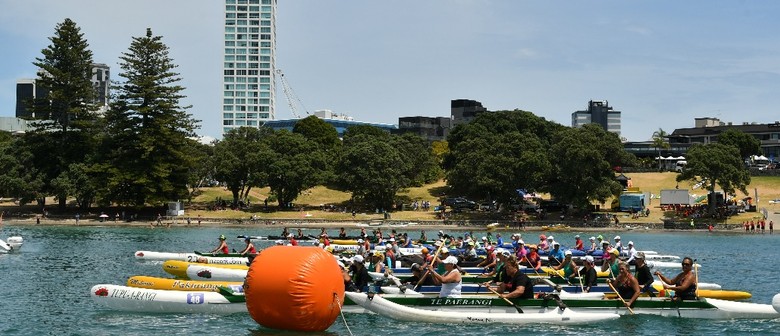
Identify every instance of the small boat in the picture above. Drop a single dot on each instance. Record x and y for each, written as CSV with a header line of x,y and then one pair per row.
x,y
11,244
398,312
179,268
776,302
140,281
144,300
701,308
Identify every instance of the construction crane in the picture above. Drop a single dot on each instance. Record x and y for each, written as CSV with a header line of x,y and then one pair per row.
x,y
292,98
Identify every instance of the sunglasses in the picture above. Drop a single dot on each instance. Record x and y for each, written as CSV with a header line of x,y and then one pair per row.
x,y
687,264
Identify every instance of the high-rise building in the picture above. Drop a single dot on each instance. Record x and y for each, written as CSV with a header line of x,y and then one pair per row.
x,y
248,90
101,82
27,90
598,112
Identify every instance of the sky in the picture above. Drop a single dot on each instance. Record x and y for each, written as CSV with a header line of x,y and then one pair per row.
x,y
661,63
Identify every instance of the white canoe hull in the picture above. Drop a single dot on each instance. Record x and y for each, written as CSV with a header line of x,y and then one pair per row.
x,y
144,300
776,302
563,295
196,272
385,308
11,244
189,257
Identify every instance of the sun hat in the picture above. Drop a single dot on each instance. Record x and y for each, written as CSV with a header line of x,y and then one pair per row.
x,y
630,242
506,254
640,255
601,237
615,252
445,250
357,258
589,259
424,250
451,260
568,252
605,242
542,237
550,238
617,237
222,237
378,254
471,243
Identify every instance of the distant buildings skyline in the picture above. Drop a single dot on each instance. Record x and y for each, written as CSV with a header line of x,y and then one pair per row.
x,y
598,112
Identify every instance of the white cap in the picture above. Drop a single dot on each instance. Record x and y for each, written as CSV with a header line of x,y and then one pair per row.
x,y
341,264
357,258
520,242
550,238
279,242
392,239
518,235
589,258
484,238
577,236
450,260
556,243
440,231
360,241
568,252
630,242
617,237
445,250
592,238
290,235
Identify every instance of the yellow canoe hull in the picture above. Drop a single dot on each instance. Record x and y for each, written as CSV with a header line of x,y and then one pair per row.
x,y
141,281
549,271
344,242
178,268
705,293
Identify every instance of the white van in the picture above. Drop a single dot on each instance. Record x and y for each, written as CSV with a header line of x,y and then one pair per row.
x,y
680,166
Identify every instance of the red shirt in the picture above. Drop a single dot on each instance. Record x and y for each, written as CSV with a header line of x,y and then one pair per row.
x,y
578,245
293,242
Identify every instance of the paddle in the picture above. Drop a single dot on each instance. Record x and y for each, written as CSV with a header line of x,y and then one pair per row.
x,y
519,310
433,261
696,277
620,297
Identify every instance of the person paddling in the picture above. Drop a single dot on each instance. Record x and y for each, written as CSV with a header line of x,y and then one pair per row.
x,y
684,284
222,248
250,248
450,281
627,286
516,284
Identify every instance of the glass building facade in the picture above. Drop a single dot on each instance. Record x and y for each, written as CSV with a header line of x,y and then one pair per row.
x,y
248,90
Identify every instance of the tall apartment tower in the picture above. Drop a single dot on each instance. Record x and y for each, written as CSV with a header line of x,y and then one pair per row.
x,y
248,90
101,82
598,112
28,89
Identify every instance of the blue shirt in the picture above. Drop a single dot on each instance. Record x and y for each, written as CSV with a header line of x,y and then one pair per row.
x,y
500,242
557,255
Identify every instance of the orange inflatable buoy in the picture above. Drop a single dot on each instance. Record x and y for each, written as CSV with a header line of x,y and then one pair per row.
x,y
294,288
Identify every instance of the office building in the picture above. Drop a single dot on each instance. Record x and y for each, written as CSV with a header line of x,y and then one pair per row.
x,y
27,90
465,110
598,112
706,130
429,128
101,82
248,91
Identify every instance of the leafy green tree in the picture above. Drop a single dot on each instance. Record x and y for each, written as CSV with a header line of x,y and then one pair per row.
x,y
420,166
365,129
147,129
241,160
326,139
67,114
370,168
19,177
660,142
716,164
747,144
498,153
585,159
296,165
78,181
202,170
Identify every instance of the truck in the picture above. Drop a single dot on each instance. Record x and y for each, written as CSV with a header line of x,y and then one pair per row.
x,y
675,196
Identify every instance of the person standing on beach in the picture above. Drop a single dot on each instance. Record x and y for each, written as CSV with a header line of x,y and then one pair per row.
x,y
771,226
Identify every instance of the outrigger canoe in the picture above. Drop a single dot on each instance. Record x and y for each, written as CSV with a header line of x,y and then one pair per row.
x,y
398,312
191,257
776,302
701,308
140,281
180,268
144,300
11,245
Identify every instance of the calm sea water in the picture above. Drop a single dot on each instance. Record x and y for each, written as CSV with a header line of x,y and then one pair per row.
x,y
45,288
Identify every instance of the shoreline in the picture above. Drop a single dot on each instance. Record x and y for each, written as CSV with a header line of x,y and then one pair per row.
x,y
331,224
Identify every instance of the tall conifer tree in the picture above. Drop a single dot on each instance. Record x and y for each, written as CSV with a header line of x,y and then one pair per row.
x,y
147,129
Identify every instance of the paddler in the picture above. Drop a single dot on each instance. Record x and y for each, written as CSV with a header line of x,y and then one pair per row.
x,y
590,277
642,274
450,281
556,256
593,246
250,248
532,258
291,240
222,248
360,277
377,263
578,244
568,266
516,284
684,284
611,264
626,285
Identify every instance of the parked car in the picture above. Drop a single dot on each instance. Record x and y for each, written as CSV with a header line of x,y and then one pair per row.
x,y
550,205
460,203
